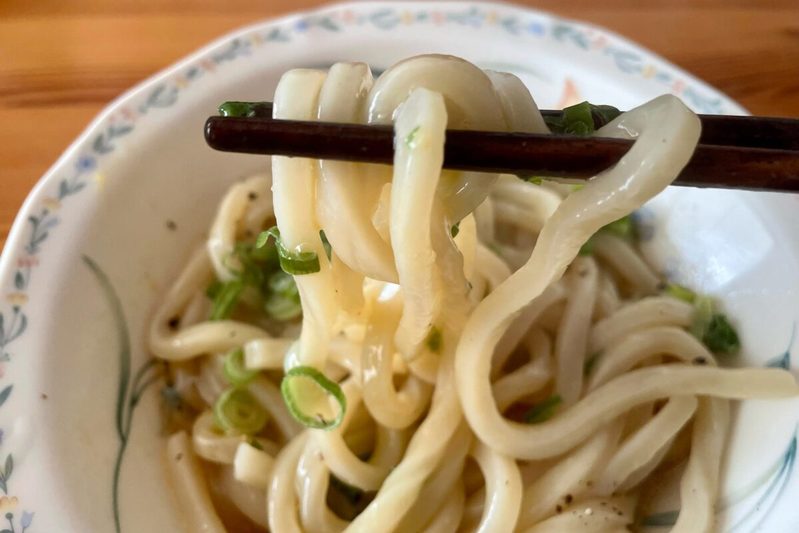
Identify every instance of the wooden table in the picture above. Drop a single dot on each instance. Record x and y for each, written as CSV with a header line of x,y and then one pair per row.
x,y
61,61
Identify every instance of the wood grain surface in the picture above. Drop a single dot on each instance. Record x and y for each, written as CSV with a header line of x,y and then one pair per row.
x,y
61,61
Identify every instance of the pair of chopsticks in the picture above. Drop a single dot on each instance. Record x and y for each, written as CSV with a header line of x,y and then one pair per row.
x,y
739,152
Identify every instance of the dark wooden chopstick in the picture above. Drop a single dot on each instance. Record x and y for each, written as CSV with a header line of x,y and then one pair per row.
x,y
736,130
712,165
724,130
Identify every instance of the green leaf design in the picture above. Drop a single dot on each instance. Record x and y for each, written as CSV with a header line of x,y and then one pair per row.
x,y
9,467
4,394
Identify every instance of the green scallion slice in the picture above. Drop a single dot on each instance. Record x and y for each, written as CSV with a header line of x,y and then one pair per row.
x,y
282,309
245,109
680,292
602,114
295,262
623,227
543,411
326,243
213,289
434,340
721,337
704,308
590,363
225,299
577,119
235,371
713,328
582,119
312,399
283,301
587,248
237,411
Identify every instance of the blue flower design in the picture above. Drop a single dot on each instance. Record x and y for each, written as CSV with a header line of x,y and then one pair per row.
x,y
86,163
27,519
301,25
535,28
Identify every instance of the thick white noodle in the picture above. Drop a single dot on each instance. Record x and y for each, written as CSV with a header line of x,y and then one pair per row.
x,y
294,190
503,488
639,449
417,162
699,486
571,342
648,312
613,515
190,486
347,187
567,478
643,344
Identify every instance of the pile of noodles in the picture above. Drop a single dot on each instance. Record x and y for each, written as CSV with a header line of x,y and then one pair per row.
x,y
463,365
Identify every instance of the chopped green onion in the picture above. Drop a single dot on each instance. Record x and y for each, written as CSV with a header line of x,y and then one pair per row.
x,y
622,227
245,109
703,314
543,411
713,328
263,238
434,340
225,299
590,363
535,180
213,289
235,371
602,114
587,248
681,293
578,120
282,309
582,119
253,263
721,337
295,262
326,244
283,301
455,229
307,394
577,186
410,139
237,411
257,265
263,254
283,284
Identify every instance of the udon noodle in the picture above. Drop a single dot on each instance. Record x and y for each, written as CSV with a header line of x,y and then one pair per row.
x,y
463,361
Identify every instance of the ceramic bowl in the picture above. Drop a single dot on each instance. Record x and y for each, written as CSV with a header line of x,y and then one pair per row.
x,y
104,232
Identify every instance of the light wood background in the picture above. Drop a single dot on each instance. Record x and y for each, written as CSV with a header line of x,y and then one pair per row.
x,y
61,61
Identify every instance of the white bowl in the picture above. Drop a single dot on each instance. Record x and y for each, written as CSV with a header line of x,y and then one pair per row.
x,y
92,250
